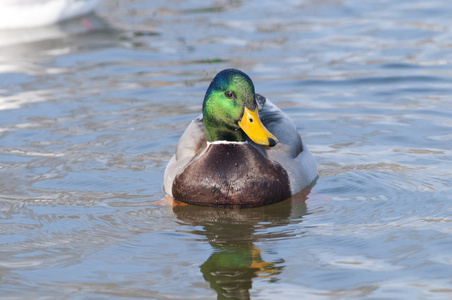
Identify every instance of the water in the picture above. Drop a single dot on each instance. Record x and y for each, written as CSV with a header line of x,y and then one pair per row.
x,y
91,110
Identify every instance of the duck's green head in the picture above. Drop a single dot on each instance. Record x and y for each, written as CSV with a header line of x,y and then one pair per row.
x,y
230,110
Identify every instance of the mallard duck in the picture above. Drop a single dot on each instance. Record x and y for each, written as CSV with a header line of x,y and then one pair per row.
x,y
242,151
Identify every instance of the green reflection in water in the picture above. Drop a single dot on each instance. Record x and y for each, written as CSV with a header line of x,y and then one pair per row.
x,y
233,233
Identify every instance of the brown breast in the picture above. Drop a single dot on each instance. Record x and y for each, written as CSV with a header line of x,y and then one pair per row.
x,y
232,174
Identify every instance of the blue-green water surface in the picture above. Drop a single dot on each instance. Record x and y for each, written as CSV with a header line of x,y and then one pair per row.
x,y
91,111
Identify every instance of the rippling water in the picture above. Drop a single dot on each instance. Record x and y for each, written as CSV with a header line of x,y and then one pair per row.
x,y
91,110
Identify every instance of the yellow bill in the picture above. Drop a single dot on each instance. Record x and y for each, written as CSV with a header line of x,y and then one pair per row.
x,y
255,130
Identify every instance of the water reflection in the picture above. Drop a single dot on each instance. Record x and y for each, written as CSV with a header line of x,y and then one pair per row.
x,y
234,235
45,40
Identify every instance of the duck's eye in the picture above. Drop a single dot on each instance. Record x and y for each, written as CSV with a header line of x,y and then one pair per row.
x,y
229,94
